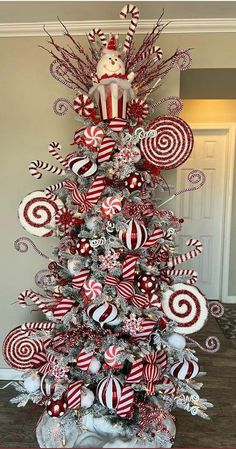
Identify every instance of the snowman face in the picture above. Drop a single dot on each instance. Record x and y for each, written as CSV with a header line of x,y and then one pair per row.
x,y
110,64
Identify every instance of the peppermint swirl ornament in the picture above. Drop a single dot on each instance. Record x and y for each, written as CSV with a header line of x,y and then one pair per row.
x,y
104,313
92,289
82,166
186,306
37,213
111,206
109,391
18,349
111,356
186,369
172,144
93,136
83,105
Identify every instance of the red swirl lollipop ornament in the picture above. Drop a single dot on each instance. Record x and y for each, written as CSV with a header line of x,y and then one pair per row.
x,y
19,349
172,144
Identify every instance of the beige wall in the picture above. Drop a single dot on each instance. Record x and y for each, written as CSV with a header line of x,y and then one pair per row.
x,y
28,124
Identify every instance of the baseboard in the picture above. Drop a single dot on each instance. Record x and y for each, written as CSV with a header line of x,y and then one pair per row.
x,y
10,374
229,300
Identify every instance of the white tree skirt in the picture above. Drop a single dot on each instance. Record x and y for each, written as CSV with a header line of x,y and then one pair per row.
x,y
55,433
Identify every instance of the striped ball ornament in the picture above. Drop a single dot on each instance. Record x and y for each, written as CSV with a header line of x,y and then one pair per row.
x,y
187,369
134,236
109,392
104,313
82,166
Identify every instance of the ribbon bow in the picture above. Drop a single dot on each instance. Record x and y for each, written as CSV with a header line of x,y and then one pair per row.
x,y
86,200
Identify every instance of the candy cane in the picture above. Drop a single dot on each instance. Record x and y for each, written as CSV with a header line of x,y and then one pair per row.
x,y
52,188
175,260
34,167
191,273
154,50
28,328
134,11
97,32
52,148
34,298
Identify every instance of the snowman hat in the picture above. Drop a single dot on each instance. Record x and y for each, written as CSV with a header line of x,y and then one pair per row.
x,y
111,45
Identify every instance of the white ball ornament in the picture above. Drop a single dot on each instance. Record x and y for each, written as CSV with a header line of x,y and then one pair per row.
x,y
32,383
136,154
72,266
177,341
87,398
91,223
94,366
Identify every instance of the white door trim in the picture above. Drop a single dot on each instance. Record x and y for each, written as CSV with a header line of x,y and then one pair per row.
x,y
230,128
10,374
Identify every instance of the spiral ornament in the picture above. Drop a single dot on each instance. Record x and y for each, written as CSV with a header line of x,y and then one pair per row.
x,y
37,213
172,144
18,349
186,306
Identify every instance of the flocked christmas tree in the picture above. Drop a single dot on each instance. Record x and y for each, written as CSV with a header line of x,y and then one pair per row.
x,y
114,356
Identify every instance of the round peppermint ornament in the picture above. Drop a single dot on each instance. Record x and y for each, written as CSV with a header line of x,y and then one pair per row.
x,y
82,166
134,236
186,369
172,144
111,356
37,213
186,306
109,391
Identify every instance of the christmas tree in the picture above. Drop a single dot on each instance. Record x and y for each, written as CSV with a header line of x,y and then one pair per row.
x,y
113,357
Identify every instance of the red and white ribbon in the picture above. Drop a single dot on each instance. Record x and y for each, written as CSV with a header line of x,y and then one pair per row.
x,y
88,200
126,402
97,32
175,260
74,394
134,11
84,359
64,306
154,238
129,266
105,150
79,280
136,373
53,149
36,166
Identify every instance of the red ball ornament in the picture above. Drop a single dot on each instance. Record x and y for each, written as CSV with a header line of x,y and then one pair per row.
x,y
57,408
109,391
83,247
147,283
134,182
186,369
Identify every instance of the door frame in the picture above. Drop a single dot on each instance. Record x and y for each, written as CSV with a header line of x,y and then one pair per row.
x,y
230,129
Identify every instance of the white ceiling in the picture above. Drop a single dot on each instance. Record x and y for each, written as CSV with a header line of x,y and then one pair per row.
x,y
47,11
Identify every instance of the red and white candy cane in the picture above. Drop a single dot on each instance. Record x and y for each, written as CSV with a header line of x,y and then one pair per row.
x,y
176,260
74,394
30,294
36,166
105,150
157,51
190,273
157,234
29,328
53,149
136,373
64,306
52,188
134,11
97,32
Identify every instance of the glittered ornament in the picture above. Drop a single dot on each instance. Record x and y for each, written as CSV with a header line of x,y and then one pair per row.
x,y
83,247
73,266
57,408
87,398
32,382
134,182
147,283
94,366
91,223
109,391
177,341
